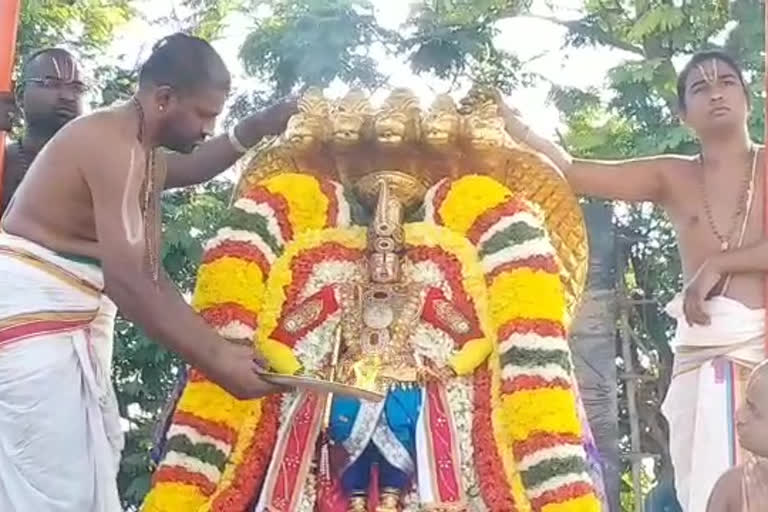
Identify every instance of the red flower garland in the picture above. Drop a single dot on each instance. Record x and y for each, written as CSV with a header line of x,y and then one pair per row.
x,y
332,212
440,194
490,217
177,474
279,206
529,382
213,429
492,480
304,263
238,249
223,314
539,262
550,328
250,471
540,440
568,492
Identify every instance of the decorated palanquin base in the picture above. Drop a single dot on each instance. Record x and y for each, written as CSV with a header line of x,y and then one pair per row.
x,y
513,433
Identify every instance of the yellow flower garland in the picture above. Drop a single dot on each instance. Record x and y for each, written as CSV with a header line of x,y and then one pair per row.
x,y
233,280
517,294
468,198
307,204
244,284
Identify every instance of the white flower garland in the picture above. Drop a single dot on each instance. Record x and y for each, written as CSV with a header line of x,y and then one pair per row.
x,y
329,273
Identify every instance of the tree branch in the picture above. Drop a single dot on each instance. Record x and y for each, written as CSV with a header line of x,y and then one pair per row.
x,y
598,35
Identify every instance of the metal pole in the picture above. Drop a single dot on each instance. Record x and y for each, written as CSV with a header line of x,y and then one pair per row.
x,y
9,24
629,383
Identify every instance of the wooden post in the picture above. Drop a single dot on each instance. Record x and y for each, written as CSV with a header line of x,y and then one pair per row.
x,y
9,24
630,385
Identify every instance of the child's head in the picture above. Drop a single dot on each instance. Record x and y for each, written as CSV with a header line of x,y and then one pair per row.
x,y
752,416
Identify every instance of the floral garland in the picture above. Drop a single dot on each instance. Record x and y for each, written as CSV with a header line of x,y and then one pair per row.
x,y
536,418
277,231
210,426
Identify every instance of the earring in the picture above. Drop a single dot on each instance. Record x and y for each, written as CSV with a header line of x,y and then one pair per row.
x,y
161,108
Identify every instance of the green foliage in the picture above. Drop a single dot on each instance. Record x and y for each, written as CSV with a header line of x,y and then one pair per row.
x,y
202,18
85,25
115,84
453,39
311,42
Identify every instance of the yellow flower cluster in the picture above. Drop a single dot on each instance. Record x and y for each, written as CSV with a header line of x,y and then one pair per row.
x,y
172,496
307,202
229,280
468,198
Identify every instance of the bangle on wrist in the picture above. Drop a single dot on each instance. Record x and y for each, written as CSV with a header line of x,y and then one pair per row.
x,y
235,141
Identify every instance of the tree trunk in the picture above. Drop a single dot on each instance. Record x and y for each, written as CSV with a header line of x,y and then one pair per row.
x,y
593,341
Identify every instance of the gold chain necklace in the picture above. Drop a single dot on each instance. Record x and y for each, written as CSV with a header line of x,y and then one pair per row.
x,y
741,203
150,200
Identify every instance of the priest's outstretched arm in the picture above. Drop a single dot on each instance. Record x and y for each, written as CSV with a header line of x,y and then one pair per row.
x,y
219,153
639,179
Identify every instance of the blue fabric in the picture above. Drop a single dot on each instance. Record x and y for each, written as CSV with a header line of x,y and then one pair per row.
x,y
357,478
400,414
343,415
401,411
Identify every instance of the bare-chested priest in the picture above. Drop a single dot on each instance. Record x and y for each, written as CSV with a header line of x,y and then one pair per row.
x,y
82,232
715,201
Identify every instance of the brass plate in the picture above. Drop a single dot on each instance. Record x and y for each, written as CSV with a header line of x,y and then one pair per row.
x,y
321,386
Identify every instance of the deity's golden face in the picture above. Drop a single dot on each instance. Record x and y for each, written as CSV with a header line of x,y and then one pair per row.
x,y
484,132
441,126
304,131
347,128
384,267
441,129
391,128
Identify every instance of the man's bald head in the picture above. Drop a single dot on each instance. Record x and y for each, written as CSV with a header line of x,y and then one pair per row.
x,y
53,89
752,416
